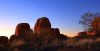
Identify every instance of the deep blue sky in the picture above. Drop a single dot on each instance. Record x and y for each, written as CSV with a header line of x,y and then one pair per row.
x,y
63,14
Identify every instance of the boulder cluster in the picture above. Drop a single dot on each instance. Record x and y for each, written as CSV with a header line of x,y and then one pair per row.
x,y
41,38
45,38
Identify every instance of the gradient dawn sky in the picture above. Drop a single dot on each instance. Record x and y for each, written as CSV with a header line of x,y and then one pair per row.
x,y
63,14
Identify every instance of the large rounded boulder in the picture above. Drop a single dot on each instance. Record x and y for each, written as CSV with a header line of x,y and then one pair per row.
x,y
42,25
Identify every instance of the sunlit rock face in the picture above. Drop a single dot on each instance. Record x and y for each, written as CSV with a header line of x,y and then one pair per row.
x,y
42,25
21,29
43,28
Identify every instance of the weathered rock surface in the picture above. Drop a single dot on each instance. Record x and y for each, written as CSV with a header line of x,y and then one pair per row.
x,y
22,31
43,27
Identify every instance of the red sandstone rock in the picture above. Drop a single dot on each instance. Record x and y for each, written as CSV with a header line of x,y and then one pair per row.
x,y
21,29
42,25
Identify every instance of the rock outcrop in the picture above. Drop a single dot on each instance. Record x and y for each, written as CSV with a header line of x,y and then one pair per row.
x,y
44,37
43,27
22,31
